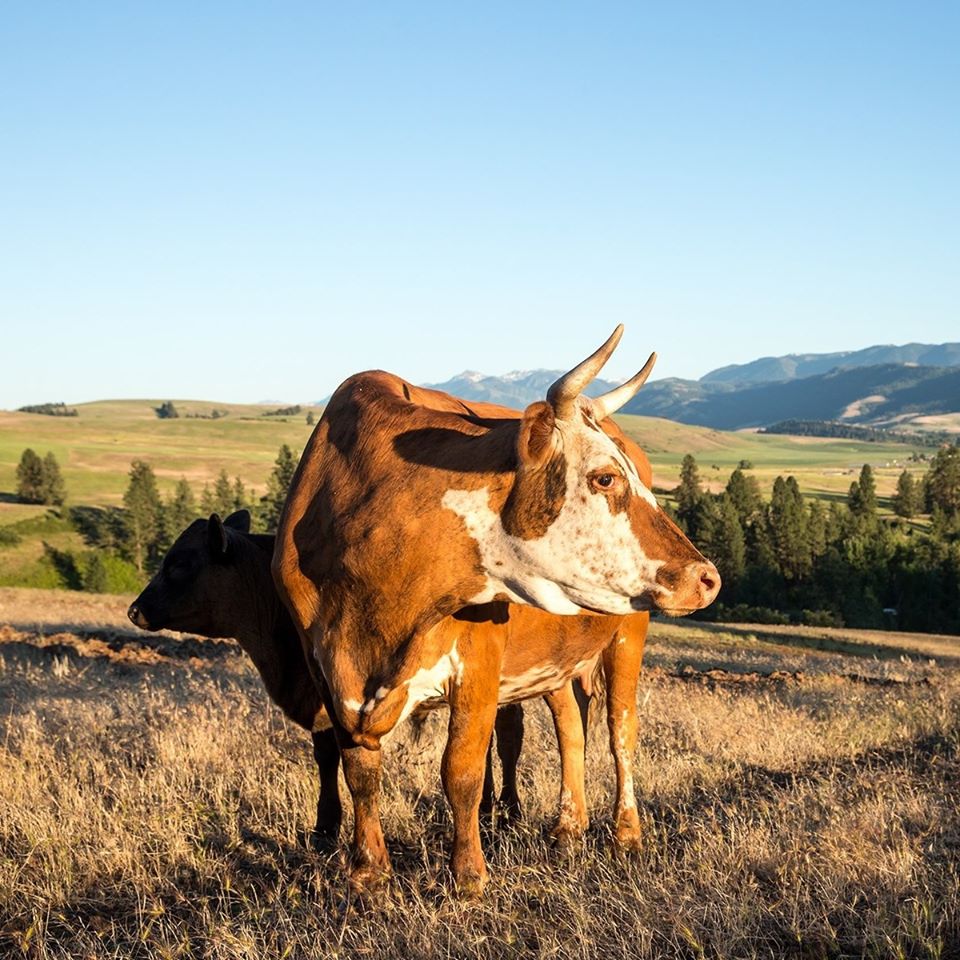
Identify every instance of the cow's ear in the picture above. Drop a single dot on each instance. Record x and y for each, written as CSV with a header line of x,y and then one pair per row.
x,y
239,520
216,537
536,438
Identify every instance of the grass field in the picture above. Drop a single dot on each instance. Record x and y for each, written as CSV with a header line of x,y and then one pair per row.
x,y
823,466
800,791
95,448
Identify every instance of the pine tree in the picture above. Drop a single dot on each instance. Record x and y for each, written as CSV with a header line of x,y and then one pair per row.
x,y
143,517
239,495
943,480
689,491
222,495
788,529
689,496
30,478
744,493
817,535
54,489
862,498
906,501
725,544
277,488
181,509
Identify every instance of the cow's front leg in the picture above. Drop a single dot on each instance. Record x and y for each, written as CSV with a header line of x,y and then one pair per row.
x,y
570,721
473,707
326,753
621,664
370,862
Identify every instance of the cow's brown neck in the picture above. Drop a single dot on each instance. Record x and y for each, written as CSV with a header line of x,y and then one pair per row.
x,y
369,583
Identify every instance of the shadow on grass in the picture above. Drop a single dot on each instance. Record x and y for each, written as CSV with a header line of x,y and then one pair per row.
x,y
815,639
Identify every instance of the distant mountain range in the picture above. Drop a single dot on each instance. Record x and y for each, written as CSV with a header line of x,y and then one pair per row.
x,y
876,385
515,389
795,366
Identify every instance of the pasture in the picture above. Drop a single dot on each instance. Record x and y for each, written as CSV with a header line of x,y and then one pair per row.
x,y
799,790
95,449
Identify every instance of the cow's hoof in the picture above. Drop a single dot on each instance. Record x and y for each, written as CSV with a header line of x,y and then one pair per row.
x,y
323,841
628,837
565,836
365,877
509,812
470,884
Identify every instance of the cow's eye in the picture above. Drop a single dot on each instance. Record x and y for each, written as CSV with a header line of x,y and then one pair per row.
x,y
606,482
178,568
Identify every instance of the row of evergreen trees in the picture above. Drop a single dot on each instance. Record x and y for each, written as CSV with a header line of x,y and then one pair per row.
x,y
127,543
793,559
150,524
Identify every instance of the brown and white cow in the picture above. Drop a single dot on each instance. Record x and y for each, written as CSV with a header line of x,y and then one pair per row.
x,y
409,506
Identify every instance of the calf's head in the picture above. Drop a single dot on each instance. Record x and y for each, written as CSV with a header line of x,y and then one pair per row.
x,y
197,583
582,530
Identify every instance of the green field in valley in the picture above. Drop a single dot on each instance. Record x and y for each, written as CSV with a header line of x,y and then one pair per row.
x,y
823,466
95,449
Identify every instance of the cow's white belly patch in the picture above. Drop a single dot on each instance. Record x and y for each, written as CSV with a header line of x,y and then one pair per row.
x,y
537,681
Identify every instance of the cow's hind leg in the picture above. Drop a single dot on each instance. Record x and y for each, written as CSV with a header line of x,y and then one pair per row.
x,y
473,707
326,753
621,664
509,728
570,721
488,794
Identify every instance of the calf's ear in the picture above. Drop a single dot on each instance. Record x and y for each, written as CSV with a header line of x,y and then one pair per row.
x,y
239,520
535,440
216,537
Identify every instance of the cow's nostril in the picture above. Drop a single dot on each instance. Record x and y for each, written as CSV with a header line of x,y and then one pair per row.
x,y
133,612
709,579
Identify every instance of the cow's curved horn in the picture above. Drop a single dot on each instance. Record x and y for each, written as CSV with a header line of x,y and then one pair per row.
x,y
613,400
563,394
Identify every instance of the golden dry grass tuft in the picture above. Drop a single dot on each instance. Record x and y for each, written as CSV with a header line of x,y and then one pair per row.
x,y
154,804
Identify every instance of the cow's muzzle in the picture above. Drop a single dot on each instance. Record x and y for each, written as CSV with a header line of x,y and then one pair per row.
x,y
696,588
137,617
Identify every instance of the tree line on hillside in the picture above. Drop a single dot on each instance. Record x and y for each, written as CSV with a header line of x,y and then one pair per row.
x,y
789,559
50,409
853,431
126,544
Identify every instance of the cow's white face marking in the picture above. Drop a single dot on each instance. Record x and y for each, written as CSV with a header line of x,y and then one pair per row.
x,y
588,557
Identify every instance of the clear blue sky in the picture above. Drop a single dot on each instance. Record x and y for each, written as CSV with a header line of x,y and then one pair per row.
x,y
248,201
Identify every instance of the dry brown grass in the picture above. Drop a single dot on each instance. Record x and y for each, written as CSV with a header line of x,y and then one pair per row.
x,y
153,804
